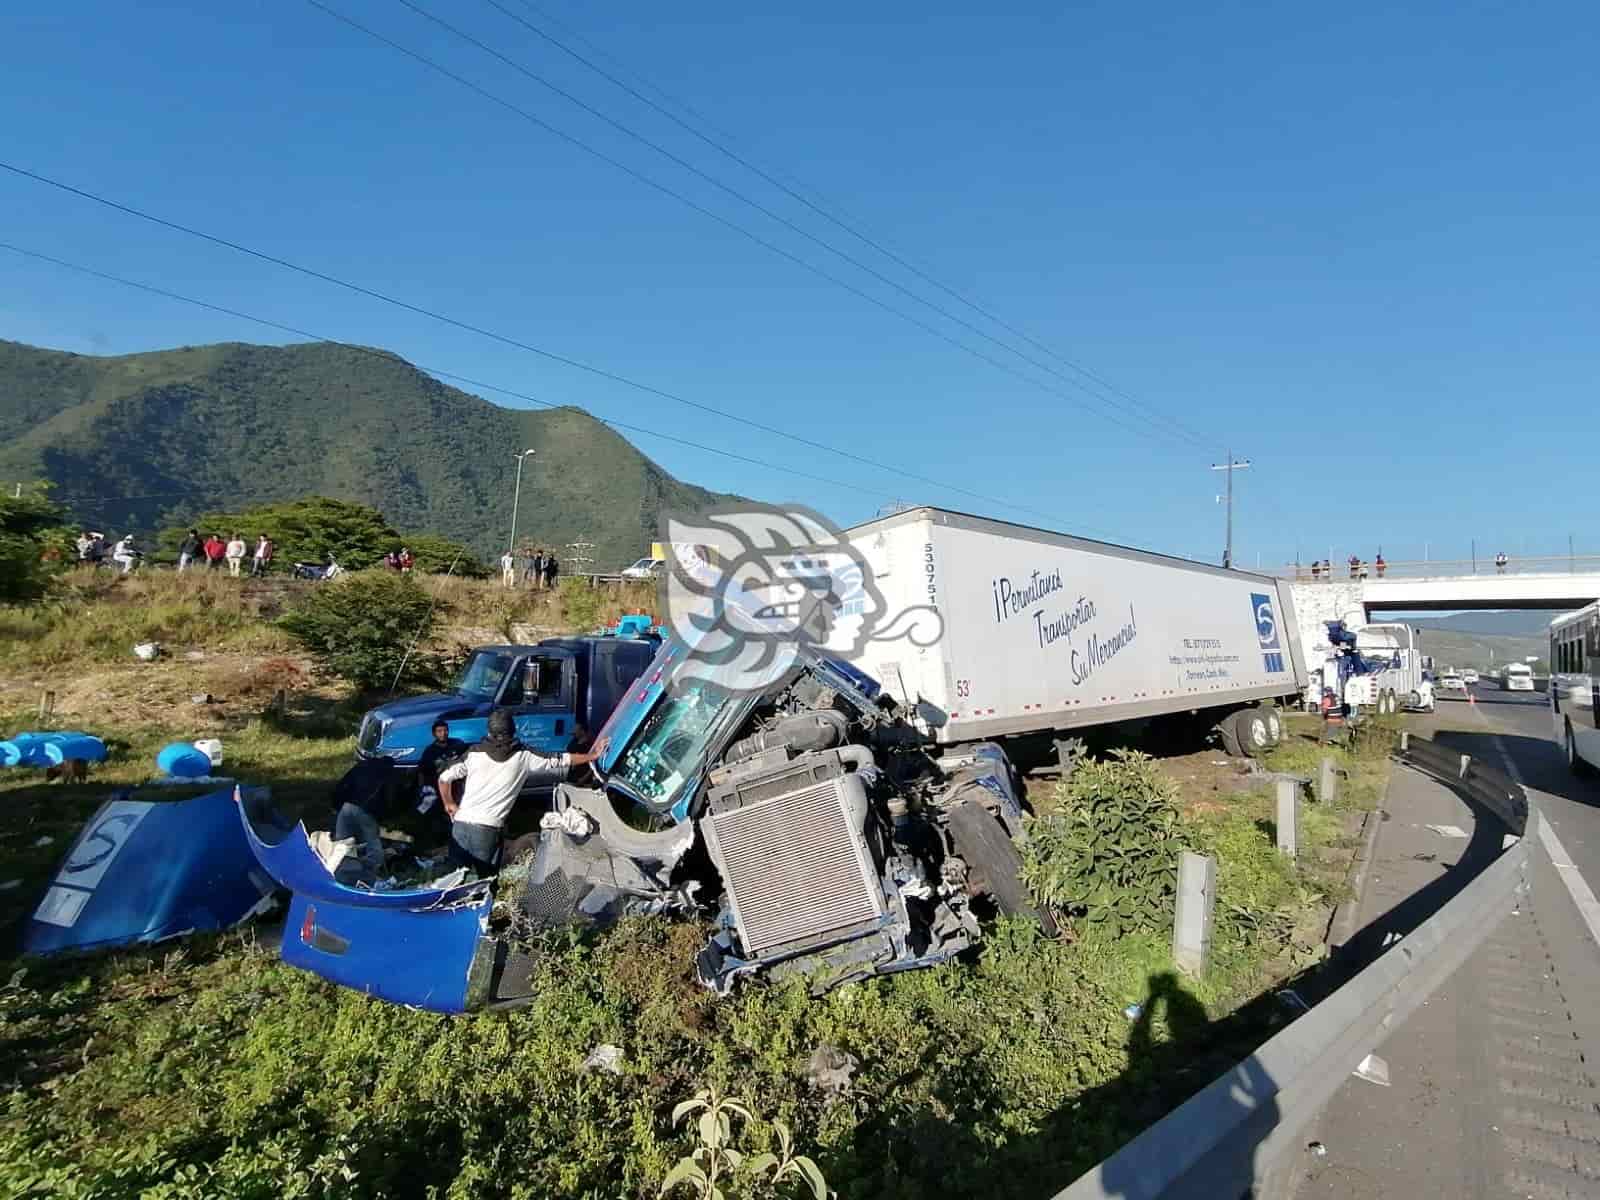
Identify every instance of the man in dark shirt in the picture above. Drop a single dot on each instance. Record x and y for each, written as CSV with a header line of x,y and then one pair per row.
x,y
360,800
439,753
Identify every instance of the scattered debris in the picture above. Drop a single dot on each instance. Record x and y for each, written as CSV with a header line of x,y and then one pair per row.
x,y
1133,1012
1290,998
200,698
44,840
1374,1070
147,651
1318,1149
831,1069
604,1057
9,884
1425,857
1449,831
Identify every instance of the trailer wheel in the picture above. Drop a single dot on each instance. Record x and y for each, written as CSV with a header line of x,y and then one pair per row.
x,y
1250,730
994,868
1274,724
1228,735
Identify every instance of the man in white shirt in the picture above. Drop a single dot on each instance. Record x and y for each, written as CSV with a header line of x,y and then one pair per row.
x,y
494,770
508,569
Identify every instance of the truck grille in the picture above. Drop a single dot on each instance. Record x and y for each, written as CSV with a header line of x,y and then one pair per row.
x,y
797,867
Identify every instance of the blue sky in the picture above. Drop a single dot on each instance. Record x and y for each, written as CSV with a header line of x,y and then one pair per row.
x,y
1358,247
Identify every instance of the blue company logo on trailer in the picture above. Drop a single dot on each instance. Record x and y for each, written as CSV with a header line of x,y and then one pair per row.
x,y
1267,631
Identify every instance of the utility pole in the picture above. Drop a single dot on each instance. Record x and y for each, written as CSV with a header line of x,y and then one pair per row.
x,y
516,499
1232,465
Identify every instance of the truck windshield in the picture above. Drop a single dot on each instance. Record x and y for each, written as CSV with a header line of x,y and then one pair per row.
x,y
480,678
673,740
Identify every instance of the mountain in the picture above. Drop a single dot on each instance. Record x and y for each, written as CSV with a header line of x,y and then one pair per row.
x,y
143,441
1480,651
1522,622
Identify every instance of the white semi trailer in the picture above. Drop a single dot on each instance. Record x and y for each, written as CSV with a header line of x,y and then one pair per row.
x,y
1046,634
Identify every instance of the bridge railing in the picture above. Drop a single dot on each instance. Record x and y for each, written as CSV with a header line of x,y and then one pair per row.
x,y
1344,572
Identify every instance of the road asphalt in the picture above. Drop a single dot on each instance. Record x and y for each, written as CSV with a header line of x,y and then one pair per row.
x,y
1494,1083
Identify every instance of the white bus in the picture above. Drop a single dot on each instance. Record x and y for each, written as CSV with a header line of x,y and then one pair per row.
x,y
1517,677
1575,686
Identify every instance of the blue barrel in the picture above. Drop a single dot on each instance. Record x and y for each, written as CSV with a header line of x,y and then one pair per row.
x,y
63,746
50,749
182,761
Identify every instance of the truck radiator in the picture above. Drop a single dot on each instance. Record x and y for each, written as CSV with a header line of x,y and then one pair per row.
x,y
796,864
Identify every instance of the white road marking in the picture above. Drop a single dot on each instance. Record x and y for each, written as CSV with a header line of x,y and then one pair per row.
x,y
1577,887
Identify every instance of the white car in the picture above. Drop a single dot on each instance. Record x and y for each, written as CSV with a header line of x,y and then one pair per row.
x,y
1469,677
1452,682
645,568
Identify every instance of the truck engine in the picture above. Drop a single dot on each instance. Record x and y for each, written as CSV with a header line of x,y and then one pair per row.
x,y
814,824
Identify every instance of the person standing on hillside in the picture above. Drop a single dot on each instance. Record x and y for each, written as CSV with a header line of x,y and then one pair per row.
x,y
235,550
407,560
508,570
527,566
263,556
190,549
551,569
125,554
538,568
215,549
495,770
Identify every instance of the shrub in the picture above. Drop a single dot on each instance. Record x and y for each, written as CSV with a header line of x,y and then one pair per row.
x,y
33,545
435,555
1108,853
580,603
360,626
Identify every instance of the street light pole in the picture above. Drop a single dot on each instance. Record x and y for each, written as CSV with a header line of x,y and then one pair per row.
x,y
516,499
1232,465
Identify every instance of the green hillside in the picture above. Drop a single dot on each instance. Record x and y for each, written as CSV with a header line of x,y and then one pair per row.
x,y
144,441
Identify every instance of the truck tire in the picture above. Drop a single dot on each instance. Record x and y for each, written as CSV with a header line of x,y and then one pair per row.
x,y
994,868
1250,729
1274,724
1228,735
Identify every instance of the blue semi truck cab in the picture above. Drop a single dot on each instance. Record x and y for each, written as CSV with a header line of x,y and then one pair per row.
x,y
552,688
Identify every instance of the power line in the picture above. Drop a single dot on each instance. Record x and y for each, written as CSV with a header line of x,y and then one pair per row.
x,y
821,211
765,211
269,323
504,339
713,215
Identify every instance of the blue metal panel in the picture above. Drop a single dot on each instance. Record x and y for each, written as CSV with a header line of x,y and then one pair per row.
x,y
410,947
144,870
420,957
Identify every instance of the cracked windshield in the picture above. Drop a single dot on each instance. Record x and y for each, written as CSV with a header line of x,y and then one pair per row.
x,y
672,740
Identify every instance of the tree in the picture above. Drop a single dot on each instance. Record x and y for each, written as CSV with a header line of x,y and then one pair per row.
x,y
34,543
309,530
360,626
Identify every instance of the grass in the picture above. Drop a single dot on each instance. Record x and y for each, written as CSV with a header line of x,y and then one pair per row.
x,y
207,1068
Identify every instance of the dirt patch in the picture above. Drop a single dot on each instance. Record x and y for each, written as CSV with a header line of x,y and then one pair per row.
x,y
1208,780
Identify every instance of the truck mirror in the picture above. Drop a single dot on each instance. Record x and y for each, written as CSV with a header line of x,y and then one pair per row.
x,y
533,679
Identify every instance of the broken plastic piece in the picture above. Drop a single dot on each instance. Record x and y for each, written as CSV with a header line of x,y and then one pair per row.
x,y
1374,1070
1318,1149
1133,1012
1449,831
831,1069
604,1057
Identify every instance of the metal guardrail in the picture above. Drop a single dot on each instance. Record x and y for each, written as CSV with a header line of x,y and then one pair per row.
x,y
1445,568
1224,1142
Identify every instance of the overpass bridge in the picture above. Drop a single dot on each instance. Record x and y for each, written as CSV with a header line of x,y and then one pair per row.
x,y
1556,584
